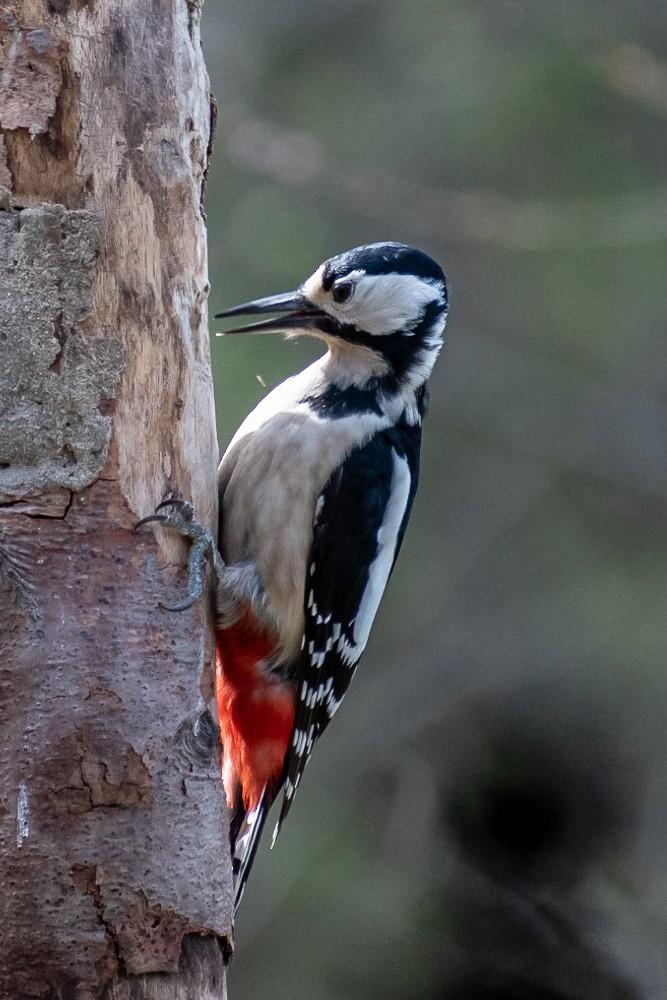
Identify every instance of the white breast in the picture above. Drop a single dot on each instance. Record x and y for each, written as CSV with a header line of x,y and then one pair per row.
x,y
270,478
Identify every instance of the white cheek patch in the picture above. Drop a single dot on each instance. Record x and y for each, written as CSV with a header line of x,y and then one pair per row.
x,y
385,303
381,304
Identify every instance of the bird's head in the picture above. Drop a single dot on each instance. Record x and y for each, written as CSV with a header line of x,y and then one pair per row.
x,y
384,298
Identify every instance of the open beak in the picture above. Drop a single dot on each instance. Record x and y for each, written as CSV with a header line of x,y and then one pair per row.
x,y
301,314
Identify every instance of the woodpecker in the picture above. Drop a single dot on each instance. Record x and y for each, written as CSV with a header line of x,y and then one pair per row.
x,y
315,493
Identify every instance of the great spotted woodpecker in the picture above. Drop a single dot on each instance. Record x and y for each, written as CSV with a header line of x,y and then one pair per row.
x,y
315,493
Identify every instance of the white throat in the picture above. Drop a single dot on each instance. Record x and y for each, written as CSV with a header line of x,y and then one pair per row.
x,y
352,364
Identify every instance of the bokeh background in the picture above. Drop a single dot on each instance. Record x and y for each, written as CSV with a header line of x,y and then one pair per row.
x,y
487,817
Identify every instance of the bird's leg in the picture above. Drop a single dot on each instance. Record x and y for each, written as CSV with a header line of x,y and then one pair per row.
x,y
235,587
237,590
179,515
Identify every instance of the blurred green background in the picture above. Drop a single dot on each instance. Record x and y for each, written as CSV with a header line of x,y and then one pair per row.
x,y
487,817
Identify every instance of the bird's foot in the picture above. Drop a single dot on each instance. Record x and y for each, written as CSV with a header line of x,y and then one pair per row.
x,y
180,517
236,588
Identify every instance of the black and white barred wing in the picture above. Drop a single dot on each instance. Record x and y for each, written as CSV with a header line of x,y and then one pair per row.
x,y
359,524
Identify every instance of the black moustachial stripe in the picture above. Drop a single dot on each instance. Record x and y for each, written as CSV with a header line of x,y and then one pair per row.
x,y
402,350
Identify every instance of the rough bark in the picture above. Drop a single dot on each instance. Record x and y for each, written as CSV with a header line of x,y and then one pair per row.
x,y
114,871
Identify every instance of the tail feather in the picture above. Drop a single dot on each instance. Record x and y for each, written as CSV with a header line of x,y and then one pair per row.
x,y
245,830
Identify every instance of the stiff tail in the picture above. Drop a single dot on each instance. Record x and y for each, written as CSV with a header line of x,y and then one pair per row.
x,y
245,830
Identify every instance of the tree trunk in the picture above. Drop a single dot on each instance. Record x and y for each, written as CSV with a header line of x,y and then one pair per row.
x,y
114,863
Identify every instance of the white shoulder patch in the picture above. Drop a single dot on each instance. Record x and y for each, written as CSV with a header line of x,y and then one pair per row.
x,y
387,539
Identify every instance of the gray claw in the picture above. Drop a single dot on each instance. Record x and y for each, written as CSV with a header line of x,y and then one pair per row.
x,y
160,518
187,510
183,606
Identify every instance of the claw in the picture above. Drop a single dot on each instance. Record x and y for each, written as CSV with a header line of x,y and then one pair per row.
x,y
183,606
160,518
203,547
187,510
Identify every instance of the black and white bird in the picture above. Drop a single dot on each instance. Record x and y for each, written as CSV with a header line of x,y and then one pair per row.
x,y
315,492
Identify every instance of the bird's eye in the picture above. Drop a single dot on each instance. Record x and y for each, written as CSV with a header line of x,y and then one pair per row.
x,y
342,291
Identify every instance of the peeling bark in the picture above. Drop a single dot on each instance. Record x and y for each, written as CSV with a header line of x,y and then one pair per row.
x,y
31,75
113,858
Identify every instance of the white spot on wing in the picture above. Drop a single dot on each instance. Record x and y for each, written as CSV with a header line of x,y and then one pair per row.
x,y
349,653
332,705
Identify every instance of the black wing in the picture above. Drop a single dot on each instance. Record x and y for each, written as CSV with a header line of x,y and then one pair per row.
x,y
360,520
